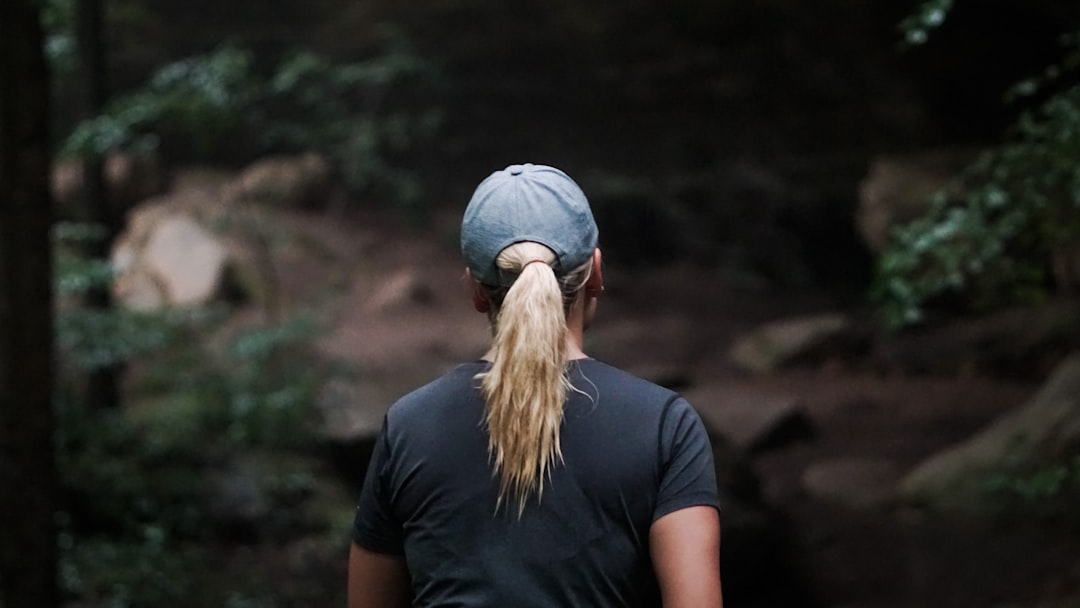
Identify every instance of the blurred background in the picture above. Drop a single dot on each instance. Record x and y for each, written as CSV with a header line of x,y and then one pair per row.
x,y
848,232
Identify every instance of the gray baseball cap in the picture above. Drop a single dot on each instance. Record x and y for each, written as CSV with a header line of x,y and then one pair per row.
x,y
527,203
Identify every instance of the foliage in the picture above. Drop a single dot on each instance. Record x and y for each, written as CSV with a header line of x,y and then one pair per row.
x,y
221,103
929,15
990,237
256,390
95,338
1049,492
58,21
225,106
146,571
203,96
58,18
135,482
357,128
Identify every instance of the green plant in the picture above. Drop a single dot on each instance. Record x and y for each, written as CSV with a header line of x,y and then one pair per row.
x,y
989,238
200,394
202,97
356,114
1049,491
90,338
261,386
145,571
928,16
253,385
356,125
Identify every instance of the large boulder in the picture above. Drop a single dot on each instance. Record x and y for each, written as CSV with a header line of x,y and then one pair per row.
x,y
788,341
349,422
1025,341
756,551
751,419
851,482
1065,265
1043,432
167,258
897,189
255,495
301,181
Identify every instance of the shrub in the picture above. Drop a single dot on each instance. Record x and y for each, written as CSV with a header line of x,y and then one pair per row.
x,y
135,524
220,107
1048,492
990,238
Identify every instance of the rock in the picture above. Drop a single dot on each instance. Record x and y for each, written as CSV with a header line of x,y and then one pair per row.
x,y
1026,341
669,375
401,289
1044,431
130,177
186,258
641,345
752,420
351,416
857,483
255,495
344,416
1065,265
236,504
897,190
302,181
757,539
167,259
783,342
140,290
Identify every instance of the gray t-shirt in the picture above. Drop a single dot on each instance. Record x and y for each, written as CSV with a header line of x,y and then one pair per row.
x,y
632,453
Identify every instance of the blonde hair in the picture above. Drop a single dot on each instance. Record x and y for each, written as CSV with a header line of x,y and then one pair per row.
x,y
525,389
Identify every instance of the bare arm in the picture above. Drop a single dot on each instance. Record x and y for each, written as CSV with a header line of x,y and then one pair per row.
x,y
685,547
377,580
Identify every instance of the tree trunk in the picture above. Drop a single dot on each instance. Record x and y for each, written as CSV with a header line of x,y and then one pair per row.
x,y
27,467
103,383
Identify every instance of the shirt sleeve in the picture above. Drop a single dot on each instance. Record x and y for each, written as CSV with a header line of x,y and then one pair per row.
x,y
687,474
374,527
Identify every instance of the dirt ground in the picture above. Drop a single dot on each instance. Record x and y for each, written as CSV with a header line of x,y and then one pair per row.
x,y
405,317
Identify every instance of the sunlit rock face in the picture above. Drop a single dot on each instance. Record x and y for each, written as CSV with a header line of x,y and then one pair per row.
x,y
176,262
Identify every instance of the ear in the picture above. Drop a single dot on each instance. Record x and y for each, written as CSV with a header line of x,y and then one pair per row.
x,y
479,296
594,286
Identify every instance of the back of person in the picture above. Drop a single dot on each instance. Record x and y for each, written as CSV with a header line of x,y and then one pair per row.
x,y
583,543
537,476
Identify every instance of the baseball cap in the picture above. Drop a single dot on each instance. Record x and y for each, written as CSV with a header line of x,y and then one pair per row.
x,y
527,203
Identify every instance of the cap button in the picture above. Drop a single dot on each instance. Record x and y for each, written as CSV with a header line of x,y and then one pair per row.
x,y
515,169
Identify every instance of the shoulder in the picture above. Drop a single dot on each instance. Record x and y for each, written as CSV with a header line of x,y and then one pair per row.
x,y
637,398
616,383
446,395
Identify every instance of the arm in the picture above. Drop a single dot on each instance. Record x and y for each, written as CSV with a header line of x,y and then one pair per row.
x,y
685,550
377,580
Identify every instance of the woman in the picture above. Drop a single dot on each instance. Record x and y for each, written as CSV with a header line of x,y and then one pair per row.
x,y
537,476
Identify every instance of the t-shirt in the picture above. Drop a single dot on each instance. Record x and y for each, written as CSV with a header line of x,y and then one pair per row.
x,y
632,453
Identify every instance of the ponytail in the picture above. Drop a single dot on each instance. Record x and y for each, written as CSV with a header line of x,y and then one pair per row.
x,y
525,389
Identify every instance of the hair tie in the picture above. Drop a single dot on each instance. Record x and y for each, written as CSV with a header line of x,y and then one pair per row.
x,y
544,262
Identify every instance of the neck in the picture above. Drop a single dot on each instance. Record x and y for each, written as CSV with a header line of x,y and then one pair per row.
x,y
575,332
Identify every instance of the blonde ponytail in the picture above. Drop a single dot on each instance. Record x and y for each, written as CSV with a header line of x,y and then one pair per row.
x,y
526,386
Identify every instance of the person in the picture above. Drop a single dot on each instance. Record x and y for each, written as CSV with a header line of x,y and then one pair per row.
x,y
537,476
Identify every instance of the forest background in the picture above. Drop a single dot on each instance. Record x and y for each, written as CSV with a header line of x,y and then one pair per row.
x,y
726,142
